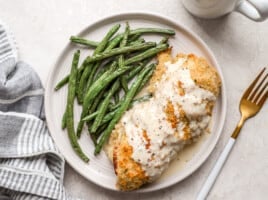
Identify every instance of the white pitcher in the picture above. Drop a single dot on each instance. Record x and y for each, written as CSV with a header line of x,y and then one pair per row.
x,y
256,10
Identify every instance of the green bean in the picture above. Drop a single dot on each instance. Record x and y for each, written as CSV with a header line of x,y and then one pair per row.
x,y
91,116
63,121
120,36
148,53
129,96
129,77
124,84
92,75
102,70
138,68
93,82
125,36
113,109
94,138
98,98
94,90
116,97
134,72
111,114
123,43
96,101
102,91
108,117
110,46
104,106
100,130
77,84
105,40
111,104
136,33
114,42
88,69
65,80
164,40
133,102
133,38
92,109
152,30
141,99
117,51
61,83
139,41
147,77
69,109
149,30
81,83
144,81
79,40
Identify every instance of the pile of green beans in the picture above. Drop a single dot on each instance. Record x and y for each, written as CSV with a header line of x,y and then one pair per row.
x,y
106,83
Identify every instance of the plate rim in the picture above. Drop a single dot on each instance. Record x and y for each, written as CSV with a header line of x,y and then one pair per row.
x,y
189,32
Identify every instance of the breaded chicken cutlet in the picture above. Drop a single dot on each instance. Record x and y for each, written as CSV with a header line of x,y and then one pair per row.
x,y
150,134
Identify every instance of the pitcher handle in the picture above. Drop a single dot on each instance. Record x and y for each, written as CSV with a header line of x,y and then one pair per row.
x,y
256,10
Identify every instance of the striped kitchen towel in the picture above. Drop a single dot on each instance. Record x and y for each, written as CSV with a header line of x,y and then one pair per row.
x,y
31,167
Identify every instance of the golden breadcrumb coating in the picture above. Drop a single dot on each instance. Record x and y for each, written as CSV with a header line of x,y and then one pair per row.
x,y
130,174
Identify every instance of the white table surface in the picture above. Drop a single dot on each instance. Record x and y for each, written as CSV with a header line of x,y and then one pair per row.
x,y
42,29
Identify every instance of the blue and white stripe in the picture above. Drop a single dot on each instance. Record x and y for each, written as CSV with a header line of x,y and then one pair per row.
x,y
38,167
8,50
34,138
31,167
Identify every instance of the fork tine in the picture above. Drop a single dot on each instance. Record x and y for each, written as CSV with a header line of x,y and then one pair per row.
x,y
253,95
260,93
248,91
263,99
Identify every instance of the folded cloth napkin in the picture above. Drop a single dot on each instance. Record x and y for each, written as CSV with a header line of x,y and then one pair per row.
x,y
31,167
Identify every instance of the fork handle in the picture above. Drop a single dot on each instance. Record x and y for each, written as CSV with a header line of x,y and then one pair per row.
x,y
216,170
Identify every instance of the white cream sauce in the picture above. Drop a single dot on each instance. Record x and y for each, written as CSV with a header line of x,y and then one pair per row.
x,y
155,151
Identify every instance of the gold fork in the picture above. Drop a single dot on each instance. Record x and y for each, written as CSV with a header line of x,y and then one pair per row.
x,y
250,104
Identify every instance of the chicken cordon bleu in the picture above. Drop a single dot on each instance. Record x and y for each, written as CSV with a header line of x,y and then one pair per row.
x,y
150,135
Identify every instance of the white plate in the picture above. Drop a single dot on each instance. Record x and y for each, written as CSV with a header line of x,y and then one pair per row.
x,y
99,170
